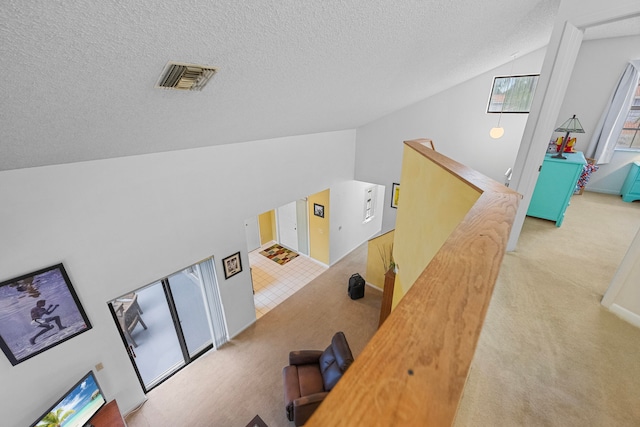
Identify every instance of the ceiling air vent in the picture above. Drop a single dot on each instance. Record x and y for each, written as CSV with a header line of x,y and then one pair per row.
x,y
185,76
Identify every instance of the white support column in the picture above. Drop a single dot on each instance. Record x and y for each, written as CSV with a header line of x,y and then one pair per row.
x,y
555,78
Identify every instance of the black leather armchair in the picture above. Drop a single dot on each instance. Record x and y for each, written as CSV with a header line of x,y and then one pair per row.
x,y
310,376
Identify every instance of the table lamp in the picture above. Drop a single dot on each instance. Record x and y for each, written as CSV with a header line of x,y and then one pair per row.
x,y
571,125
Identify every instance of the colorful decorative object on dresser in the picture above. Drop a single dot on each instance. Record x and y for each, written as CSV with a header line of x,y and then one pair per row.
x,y
568,147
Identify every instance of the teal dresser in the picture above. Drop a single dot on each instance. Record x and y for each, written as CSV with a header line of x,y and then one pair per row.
x,y
631,187
556,184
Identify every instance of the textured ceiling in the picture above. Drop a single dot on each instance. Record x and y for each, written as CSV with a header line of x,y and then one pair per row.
x,y
79,76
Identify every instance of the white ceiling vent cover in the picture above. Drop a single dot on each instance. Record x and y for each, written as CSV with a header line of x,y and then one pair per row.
x,y
185,76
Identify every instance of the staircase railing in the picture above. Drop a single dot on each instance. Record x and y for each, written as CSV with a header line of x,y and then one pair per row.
x,y
413,370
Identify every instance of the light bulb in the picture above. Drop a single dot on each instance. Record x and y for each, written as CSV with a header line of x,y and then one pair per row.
x,y
496,133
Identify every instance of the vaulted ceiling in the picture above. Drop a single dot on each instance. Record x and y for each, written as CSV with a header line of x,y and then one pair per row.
x,y
79,77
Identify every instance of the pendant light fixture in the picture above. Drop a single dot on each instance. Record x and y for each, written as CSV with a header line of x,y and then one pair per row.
x,y
498,131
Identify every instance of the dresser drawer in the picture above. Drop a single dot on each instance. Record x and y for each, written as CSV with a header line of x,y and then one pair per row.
x,y
555,186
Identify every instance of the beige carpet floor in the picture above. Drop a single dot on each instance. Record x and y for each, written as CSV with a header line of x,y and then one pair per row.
x,y
549,353
243,379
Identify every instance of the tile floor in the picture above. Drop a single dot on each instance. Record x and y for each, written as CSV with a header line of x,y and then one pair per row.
x,y
273,283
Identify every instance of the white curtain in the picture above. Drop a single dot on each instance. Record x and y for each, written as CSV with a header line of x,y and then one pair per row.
x,y
605,136
212,292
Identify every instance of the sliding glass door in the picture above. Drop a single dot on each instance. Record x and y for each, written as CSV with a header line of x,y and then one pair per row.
x,y
186,290
169,323
156,351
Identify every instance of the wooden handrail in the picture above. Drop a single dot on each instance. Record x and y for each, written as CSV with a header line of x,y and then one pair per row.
x,y
413,370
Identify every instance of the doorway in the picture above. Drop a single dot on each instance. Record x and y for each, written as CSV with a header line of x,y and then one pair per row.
x,y
293,226
273,282
252,233
288,226
169,323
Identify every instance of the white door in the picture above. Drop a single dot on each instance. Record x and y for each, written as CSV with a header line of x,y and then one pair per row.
x,y
303,226
253,233
288,226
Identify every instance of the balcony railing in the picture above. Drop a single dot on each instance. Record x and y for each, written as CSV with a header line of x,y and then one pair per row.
x,y
413,370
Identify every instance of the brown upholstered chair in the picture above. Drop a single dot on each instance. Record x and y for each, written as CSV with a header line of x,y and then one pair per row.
x,y
310,376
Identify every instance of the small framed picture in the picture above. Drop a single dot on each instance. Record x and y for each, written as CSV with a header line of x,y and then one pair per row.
x,y
232,265
395,195
37,312
318,210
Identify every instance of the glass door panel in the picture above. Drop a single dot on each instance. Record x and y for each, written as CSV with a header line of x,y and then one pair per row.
x,y
187,293
144,318
158,353
168,324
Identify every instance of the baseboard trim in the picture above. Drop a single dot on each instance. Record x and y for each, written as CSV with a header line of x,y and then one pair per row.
x,y
322,264
135,407
625,314
340,259
602,190
373,286
241,330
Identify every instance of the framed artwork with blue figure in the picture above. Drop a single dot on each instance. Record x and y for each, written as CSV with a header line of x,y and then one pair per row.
x,y
38,311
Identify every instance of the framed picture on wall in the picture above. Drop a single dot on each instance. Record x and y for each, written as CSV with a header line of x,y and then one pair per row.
x,y
318,210
395,195
232,265
38,311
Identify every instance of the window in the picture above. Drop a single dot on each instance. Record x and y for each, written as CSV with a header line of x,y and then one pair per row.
x,y
630,134
512,94
369,203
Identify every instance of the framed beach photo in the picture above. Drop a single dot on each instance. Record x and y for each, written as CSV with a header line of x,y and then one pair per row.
x,y
38,311
232,265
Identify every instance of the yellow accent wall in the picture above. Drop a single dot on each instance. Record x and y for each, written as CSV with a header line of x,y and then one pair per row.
x,y
433,203
378,248
267,224
319,227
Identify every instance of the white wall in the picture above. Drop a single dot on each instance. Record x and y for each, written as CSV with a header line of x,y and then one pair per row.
x,y
598,68
123,223
561,57
456,121
348,231
561,53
